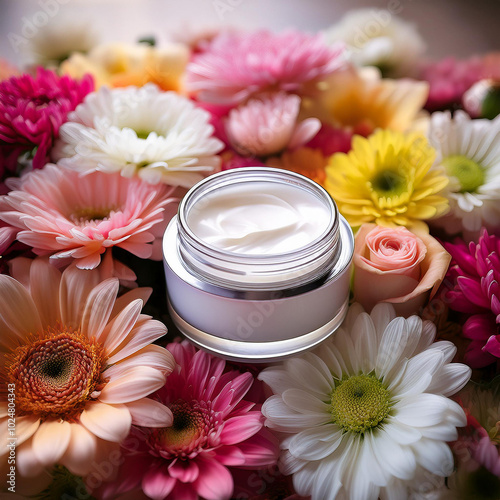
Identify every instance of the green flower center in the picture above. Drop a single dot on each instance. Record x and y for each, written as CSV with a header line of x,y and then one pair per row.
x,y
142,134
389,182
360,403
469,173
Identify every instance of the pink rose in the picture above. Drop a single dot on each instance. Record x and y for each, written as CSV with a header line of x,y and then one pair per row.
x,y
398,266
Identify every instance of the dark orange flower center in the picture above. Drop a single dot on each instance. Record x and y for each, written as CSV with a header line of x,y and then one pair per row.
x,y
55,374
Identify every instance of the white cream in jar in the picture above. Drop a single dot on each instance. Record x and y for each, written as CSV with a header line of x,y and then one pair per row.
x,y
260,218
257,264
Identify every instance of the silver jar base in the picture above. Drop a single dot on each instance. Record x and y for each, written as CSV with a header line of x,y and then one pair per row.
x,y
258,352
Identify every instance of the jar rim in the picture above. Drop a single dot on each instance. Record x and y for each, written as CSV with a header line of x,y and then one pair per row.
x,y
204,256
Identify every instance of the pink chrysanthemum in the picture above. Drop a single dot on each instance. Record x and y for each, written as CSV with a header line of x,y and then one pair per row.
x,y
62,214
267,125
78,363
475,277
450,78
213,429
233,66
33,108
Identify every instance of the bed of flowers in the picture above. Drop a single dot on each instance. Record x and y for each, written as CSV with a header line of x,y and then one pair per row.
x,y
102,398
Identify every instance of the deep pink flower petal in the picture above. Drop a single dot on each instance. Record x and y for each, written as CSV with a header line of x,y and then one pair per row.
x,y
493,345
157,483
480,327
214,482
238,429
185,471
472,290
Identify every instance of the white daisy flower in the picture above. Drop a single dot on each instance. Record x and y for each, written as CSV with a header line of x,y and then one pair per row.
x,y
375,37
470,152
368,411
159,136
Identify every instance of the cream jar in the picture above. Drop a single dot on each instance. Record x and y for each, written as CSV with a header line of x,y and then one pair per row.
x,y
257,264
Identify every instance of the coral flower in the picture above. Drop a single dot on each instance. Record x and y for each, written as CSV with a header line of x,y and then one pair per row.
x,y
213,429
386,179
67,216
475,282
79,364
267,125
233,66
362,102
33,108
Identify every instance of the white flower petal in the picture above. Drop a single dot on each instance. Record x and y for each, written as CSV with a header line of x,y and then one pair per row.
x,y
304,402
435,456
315,443
421,410
281,417
450,379
398,460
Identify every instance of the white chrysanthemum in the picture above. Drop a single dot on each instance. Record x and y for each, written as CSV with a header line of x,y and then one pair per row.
x,y
159,136
375,37
368,411
470,152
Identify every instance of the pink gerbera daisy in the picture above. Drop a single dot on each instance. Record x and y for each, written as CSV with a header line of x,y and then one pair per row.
x,y
233,66
213,429
68,216
475,278
31,111
79,364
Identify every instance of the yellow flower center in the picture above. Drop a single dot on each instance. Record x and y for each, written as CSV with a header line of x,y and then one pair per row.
x,y
470,174
360,403
188,432
84,215
55,373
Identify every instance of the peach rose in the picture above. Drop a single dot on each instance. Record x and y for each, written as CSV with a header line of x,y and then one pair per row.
x,y
397,266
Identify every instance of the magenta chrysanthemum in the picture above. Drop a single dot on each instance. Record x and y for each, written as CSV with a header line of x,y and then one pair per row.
x,y
33,108
475,276
62,214
213,429
233,66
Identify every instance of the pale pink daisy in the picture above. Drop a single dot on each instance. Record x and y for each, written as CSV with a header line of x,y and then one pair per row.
x,y
80,365
267,125
233,66
60,213
213,429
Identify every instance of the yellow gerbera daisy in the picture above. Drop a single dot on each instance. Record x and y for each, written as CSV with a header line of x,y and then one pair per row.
x,y
386,179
